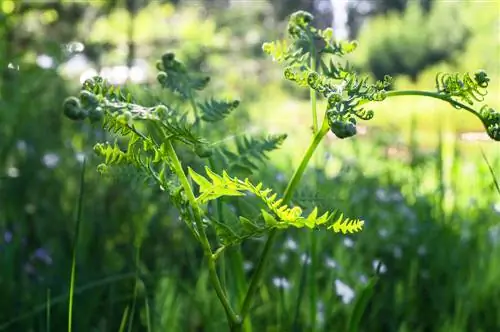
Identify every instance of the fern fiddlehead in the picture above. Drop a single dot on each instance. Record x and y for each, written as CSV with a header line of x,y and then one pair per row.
x,y
344,89
470,90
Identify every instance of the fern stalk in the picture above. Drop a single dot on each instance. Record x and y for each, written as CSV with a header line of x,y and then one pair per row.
x,y
232,317
312,236
290,189
432,95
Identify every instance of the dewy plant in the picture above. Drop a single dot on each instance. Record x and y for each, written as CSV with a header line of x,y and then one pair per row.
x,y
150,140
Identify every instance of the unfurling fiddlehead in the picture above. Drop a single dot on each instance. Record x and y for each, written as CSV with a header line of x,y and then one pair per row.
x,y
175,76
344,89
462,88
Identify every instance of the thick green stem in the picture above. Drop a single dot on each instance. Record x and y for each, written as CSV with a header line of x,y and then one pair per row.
x,y
232,317
312,236
432,95
292,185
436,95
312,92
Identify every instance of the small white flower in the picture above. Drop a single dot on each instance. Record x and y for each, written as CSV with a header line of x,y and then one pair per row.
x,y
363,279
281,282
291,244
330,262
247,266
383,267
305,259
80,156
348,242
496,207
12,172
283,258
50,160
344,291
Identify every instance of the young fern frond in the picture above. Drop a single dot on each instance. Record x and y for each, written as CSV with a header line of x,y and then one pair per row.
x,y
249,152
99,102
296,51
215,110
463,86
280,215
345,90
174,76
470,90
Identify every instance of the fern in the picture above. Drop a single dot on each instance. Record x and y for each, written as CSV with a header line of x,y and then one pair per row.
x,y
147,135
249,152
281,215
214,110
345,90
457,88
173,75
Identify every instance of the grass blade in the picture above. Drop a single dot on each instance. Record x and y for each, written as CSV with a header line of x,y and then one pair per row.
x,y
148,314
492,172
47,312
360,305
75,244
124,320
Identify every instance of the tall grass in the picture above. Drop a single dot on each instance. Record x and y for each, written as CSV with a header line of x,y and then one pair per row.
x,y
437,266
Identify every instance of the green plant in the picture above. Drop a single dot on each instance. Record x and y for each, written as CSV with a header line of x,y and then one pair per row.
x,y
149,141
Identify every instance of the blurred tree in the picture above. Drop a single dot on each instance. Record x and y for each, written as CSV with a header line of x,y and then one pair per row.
x,y
408,43
359,11
321,9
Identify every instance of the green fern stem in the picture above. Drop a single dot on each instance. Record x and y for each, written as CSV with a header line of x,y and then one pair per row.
x,y
312,92
432,95
232,317
297,176
312,236
290,189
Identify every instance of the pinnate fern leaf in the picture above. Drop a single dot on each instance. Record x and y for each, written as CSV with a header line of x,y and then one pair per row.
x,y
216,110
250,151
277,214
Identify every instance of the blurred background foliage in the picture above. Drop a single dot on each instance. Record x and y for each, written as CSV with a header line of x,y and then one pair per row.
x,y
415,174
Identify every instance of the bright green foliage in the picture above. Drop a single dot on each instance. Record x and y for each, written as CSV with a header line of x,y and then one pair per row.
x,y
278,215
149,133
155,137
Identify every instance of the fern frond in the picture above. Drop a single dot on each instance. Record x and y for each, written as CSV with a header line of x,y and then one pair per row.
x,y
174,76
100,101
280,216
214,110
346,225
470,90
249,152
463,86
